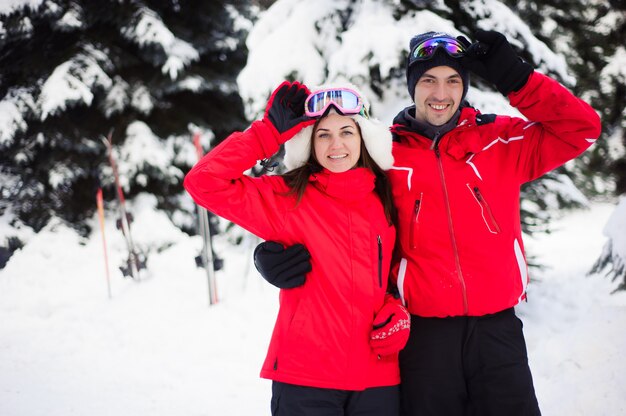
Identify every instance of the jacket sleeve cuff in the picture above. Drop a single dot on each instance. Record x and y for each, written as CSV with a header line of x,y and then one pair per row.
x,y
267,137
516,96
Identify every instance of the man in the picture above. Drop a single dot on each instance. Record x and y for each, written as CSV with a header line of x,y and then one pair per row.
x,y
456,184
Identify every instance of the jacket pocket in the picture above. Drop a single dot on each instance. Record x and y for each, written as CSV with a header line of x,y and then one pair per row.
x,y
291,337
485,209
415,222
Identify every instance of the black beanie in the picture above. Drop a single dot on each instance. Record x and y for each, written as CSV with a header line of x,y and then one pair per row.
x,y
440,58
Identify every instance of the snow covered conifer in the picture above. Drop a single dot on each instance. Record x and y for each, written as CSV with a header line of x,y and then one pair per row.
x,y
153,71
366,41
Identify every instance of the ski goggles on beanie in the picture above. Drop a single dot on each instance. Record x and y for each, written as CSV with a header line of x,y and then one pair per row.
x,y
345,100
426,49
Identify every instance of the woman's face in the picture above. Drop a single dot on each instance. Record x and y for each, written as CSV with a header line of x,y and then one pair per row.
x,y
337,143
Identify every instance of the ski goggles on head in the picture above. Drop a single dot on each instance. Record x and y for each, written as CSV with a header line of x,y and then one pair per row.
x,y
425,50
345,100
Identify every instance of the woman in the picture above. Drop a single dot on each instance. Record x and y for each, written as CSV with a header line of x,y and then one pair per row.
x,y
336,338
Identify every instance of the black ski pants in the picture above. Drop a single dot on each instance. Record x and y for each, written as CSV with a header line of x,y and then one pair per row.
x,y
292,400
467,366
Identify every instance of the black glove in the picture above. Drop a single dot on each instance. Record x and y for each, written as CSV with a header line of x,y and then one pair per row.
x,y
284,268
492,58
285,109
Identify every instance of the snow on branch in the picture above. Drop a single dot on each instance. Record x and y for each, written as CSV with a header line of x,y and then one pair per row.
x,y
13,108
74,81
10,6
613,258
614,73
72,19
147,28
143,151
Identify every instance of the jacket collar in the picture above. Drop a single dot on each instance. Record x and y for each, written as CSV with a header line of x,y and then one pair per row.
x,y
407,118
455,145
353,184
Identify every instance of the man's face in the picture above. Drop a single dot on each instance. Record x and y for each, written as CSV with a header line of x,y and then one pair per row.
x,y
438,94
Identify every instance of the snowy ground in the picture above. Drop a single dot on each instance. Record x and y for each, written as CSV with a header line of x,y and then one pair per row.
x,y
156,348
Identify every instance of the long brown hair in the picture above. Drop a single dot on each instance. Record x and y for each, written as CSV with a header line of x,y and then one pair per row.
x,y
298,179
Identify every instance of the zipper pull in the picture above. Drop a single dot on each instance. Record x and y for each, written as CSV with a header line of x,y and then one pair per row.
x,y
435,144
414,224
485,205
380,261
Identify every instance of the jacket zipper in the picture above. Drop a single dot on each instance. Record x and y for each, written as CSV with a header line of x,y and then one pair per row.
x,y
451,226
487,209
380,262
415,224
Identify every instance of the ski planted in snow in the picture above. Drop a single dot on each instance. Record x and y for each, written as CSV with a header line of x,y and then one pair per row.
x,y
206,258
135,261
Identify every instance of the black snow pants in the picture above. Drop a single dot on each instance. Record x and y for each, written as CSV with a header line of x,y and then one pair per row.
x,y
467,366
292,400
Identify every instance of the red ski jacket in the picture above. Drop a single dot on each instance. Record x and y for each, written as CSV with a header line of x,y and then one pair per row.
x,y
321,335
458,204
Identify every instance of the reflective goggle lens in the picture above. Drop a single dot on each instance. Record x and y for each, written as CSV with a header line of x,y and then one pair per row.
x,y
427,49
346,101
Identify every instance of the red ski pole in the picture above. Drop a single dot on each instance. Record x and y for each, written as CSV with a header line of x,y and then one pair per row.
x,y
134,262
104,241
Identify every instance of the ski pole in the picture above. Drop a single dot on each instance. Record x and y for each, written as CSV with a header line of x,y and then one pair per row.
x,y
133,260
104,241
205,231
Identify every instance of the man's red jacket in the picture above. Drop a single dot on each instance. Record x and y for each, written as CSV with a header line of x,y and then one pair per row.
x,y
461,249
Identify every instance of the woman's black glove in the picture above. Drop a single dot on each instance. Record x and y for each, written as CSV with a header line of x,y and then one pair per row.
x,y
492,58
285,109
285,268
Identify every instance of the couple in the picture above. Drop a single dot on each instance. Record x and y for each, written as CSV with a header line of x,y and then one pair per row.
x,y
445,324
